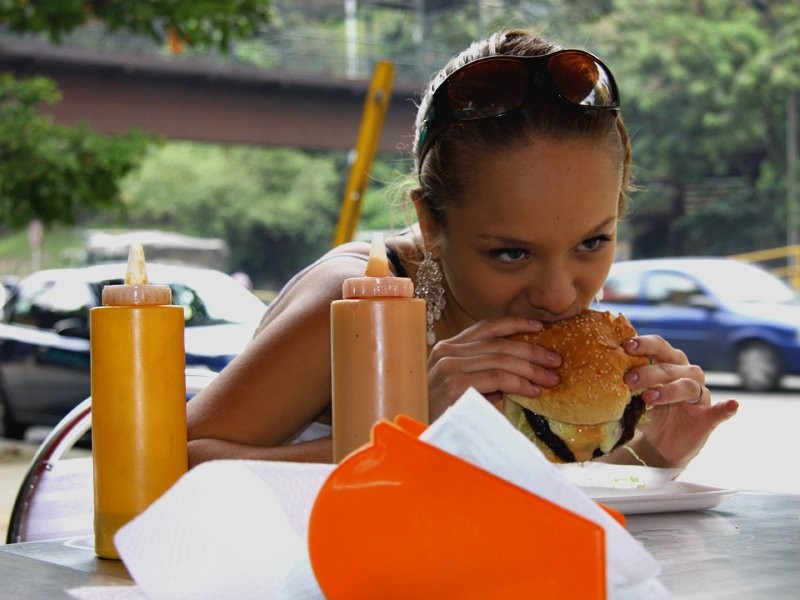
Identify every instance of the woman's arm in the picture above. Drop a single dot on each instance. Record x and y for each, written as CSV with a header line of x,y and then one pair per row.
x,y
212,449
280,383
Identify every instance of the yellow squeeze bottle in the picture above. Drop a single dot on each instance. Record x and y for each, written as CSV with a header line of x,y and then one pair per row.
x,y
378,353
139,443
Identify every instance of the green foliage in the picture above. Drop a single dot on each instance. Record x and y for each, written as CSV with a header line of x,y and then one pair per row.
x,y
276,208
704,86
267,204
201,24
731,218
51,172
387,205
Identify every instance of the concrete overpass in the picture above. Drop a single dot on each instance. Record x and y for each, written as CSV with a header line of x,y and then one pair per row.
x,y
185,99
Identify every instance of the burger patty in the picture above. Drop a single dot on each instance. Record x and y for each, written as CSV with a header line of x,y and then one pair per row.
x,y
630,417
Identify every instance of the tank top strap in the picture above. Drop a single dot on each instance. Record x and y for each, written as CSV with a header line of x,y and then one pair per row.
x,y
394,258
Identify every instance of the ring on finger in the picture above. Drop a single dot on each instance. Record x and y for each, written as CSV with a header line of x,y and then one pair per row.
x,y
699,398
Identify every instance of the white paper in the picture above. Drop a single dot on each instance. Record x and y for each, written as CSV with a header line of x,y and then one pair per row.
x,y
227,529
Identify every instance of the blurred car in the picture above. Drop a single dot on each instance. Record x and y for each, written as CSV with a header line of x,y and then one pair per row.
x,y
726,315
44,333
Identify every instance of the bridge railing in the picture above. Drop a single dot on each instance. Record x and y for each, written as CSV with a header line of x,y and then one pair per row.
x,y
783,261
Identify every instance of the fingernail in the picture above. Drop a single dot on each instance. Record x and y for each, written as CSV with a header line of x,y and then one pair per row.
x,y
631,378
552,378
652,395
552,358
631,344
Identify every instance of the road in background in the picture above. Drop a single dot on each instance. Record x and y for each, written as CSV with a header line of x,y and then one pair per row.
x,y
753,451
756,449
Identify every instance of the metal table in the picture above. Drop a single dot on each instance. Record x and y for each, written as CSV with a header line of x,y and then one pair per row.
x,y
46,569
747,547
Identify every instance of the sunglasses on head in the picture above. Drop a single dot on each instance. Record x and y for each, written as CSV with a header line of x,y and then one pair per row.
x,y
498,85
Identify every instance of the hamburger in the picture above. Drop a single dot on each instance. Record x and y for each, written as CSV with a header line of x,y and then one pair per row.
x,y
591,410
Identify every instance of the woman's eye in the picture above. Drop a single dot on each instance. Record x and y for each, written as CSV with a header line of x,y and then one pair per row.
x,y
594,243
509,255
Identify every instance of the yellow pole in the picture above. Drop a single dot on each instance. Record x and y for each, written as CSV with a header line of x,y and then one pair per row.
x,y
375,106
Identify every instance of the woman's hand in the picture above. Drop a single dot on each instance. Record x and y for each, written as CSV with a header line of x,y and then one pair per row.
x,y
681,415
481,357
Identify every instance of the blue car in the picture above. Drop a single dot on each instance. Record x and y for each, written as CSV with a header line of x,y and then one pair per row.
x,y
727,315
44,333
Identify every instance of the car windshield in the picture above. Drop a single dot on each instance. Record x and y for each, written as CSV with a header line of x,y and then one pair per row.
x,y
208,297
736,282
224,300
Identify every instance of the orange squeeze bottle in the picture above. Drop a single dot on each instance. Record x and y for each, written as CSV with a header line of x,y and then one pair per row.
x,y
139,440
378,353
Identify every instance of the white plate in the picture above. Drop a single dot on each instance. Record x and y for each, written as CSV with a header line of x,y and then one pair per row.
x,y
671,497
617,477
634,489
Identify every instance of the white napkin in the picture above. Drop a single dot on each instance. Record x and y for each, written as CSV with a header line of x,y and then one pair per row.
x,y
238,529
227,529
476,432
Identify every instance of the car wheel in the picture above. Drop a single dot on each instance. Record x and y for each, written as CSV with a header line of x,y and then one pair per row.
x,y
759,366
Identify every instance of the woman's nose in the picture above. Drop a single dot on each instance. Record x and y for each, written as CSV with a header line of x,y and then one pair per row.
x,y
553,291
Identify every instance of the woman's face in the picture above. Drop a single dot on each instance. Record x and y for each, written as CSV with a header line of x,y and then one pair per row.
x,y
535,233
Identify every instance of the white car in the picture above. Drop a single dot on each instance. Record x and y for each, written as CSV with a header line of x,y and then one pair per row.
x,y
44,333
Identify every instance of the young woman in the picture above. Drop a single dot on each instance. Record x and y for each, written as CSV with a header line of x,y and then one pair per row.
x,y
523,164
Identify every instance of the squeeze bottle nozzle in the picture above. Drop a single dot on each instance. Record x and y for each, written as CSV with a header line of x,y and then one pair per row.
x,y
137,272
378,264
378,280
136,289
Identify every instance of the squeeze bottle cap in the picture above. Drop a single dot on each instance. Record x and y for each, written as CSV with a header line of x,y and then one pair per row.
x,y
378,280
136,290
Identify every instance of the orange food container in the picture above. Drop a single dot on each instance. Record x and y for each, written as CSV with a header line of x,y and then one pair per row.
x,y
400,518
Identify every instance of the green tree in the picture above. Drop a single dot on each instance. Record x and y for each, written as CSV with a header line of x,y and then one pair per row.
x,y
212,23
275,207
704,85
51,172
54,173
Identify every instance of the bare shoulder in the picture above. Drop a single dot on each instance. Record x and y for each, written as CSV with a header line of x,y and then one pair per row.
x,y
315,287
281,382
321,282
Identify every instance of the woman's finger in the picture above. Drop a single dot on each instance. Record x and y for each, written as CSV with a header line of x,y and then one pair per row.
x,y
680,390
489,370
497,328
656,347
659,374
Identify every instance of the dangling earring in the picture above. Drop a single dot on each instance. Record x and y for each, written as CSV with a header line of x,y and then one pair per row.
x,y
428,286
598,297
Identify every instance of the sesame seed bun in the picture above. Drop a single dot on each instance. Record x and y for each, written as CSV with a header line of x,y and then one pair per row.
x,y
590,399
591,389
